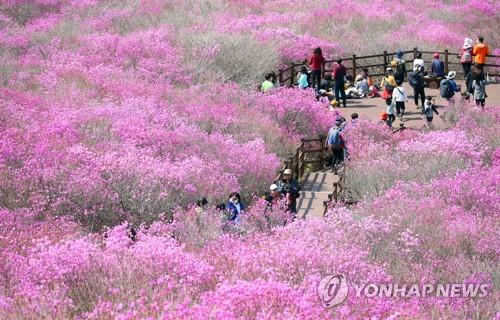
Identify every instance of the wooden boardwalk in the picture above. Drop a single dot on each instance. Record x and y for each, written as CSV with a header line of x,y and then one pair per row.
x,y
316,186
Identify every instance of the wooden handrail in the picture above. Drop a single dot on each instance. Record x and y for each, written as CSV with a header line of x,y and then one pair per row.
x,y
298,161
354,66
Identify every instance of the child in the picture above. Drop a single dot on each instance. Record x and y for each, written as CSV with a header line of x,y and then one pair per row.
x,y
479,87
303,83
390,111
429,109
399,97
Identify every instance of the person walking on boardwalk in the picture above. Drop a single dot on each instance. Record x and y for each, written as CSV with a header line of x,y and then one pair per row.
x,y
399,97
428,110
339,73
290,189
480,52
416,80
336,144
317,66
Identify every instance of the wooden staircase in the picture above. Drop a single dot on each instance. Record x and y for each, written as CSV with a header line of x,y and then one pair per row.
x,y
316,186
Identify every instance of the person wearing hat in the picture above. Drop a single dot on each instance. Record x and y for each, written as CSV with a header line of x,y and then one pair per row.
x,y
399,67
290,189
448,86
273,197
437,67
466,56
339,74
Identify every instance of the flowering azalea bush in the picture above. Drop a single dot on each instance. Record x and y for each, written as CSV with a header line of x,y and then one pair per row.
x,y
115,116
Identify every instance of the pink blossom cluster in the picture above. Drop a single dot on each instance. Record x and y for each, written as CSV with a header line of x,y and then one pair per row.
x,y
108,139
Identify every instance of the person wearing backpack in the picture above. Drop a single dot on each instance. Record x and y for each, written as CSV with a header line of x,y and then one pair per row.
x,y
335,143
388,83
466,56
428,110
399,67
416,79
448,86
399,98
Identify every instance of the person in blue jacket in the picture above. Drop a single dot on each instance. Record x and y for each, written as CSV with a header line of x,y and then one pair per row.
x,y
234,207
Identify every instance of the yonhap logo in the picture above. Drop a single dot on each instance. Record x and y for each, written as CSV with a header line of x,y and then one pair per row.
x,y
333,290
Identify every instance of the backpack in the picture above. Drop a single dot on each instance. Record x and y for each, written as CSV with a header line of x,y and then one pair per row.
x,y
399,74
445,89
388,87
413,79
466,56
335,138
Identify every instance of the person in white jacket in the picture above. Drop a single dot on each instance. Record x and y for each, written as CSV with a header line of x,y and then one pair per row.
x,y
399,98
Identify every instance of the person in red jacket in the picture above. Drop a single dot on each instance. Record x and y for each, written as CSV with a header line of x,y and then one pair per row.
x,y
317,65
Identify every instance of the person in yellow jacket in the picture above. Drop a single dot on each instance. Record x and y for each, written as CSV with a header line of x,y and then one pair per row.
x,y
480,52
388,84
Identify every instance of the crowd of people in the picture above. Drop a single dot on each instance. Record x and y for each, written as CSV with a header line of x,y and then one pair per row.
x,y
338,86
283,193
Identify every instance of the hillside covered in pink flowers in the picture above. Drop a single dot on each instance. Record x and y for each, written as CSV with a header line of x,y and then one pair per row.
x,y
120,114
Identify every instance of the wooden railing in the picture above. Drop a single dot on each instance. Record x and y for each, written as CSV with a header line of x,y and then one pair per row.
x,y
377,64
309,152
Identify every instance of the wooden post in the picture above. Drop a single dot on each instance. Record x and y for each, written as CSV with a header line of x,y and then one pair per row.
x,y
301,160
385,61
415,52
280,77
296,164
446,67
287,164
321,158
353,66
292,75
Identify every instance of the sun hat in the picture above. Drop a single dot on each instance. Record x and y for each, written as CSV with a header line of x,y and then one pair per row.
x,y
451,75
273,187
436,55
468,42
400,53
287,171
